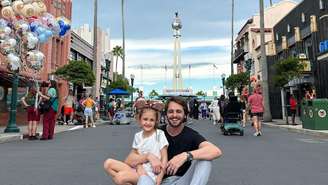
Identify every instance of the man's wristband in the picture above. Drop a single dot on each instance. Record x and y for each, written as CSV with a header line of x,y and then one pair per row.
x,y
190,157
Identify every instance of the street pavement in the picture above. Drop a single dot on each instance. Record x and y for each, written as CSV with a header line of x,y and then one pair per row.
x,y
279,157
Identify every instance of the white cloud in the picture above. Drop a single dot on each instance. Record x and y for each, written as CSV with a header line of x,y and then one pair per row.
x,y
159,52
167,44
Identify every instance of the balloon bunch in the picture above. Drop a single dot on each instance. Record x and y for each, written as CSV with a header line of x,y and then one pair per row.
x,y
25,25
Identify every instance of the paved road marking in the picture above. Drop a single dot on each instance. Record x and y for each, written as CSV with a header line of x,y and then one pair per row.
x,y
76,127
312,141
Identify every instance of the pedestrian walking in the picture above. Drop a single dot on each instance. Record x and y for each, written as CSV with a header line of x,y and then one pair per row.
x,y
203,109
49,115
222,103
256,104
33,115
111,109
215,110
243,104
68,107
293,105
189,154
89,103
150,141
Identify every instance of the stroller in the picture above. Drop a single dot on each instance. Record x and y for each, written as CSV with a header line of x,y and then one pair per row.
x,y
232,124
232,118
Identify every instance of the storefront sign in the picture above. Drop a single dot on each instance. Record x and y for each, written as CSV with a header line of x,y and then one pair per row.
x,y
323,47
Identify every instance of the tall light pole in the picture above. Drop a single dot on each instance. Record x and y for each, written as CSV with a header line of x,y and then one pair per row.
x,y
95,34
123,37
267,113
132,80
270,2
232,24
223,76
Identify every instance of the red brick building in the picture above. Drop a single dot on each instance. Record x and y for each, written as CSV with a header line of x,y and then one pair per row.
x,y
56,51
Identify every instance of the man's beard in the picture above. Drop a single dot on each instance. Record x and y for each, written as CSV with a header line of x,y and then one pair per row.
x,y
174,125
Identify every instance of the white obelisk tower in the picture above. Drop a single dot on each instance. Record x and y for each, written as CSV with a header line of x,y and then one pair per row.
x,y
177,76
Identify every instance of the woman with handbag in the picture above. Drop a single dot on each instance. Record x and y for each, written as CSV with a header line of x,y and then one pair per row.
x,y
33,115
50,110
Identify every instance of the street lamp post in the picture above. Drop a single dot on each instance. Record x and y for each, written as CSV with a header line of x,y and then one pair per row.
x,y
95,45
11,126
267,112
223,76
132,80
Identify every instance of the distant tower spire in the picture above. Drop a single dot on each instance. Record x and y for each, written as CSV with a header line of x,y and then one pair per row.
x,y
177,76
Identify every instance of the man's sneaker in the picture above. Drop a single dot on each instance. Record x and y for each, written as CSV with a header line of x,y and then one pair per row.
x,y
256,134
93,126
260,133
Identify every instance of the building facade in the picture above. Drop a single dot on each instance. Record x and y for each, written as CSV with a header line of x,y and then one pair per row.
x,y
56,53
103,54
299,34
247,43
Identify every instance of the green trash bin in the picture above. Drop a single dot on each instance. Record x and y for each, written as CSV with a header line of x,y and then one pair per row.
x,y
316,117
303,110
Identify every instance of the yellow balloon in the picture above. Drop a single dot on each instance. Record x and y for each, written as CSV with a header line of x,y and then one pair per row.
x,y
40,8
18,6
7,12
28,10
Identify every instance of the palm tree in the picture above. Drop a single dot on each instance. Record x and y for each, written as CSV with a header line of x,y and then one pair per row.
x,y
118,52
123,39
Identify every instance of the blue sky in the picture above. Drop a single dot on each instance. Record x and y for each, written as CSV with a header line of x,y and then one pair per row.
x,y
205,41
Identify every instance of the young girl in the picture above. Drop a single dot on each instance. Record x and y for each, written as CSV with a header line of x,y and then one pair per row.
x,y
89,103
33,115
148,141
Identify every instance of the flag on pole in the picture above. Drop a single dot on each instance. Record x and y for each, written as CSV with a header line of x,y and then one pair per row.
x,y
215,66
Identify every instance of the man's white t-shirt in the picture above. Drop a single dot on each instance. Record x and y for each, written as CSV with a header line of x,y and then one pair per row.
x,y
152,144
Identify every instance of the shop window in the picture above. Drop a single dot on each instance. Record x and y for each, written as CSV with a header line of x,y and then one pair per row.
x,y
321,5
288,28
277,36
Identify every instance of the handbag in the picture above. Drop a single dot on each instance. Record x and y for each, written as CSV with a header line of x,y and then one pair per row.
x,y
45,106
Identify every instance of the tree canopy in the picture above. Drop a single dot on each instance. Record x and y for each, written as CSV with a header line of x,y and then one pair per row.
x,y
287,70
237,81
77,72
200,93
153,94
121,83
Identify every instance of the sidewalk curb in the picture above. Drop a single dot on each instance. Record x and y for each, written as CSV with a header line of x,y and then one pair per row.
x,y
297,130
11,137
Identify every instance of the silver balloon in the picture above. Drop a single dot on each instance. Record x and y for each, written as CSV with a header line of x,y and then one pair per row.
x,y
7,46
35,59
32,40
14,62
4,32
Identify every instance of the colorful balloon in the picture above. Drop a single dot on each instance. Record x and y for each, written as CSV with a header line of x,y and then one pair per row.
x,y
32,40
40,8
18,6
14,62
7,12
35,59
